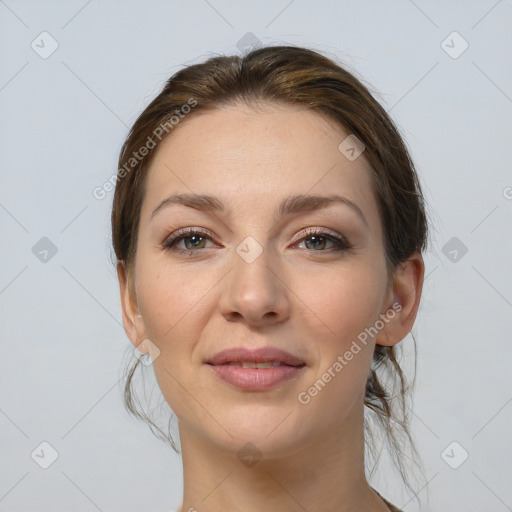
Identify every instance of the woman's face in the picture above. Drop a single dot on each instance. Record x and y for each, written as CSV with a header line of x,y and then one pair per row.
x,y
265,266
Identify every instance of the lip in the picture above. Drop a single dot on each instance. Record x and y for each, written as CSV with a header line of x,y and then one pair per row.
x,y
255,379
258,355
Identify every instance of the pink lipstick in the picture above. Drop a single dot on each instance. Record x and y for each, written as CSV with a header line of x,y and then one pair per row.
x,y
256,370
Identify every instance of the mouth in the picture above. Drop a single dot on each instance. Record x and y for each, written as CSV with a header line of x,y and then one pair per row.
x,y
255,370
253,364
268,356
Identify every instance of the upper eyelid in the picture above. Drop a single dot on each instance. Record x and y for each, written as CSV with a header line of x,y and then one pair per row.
x,y
310,231
189,231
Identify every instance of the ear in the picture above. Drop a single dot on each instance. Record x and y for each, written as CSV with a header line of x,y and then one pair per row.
x,y
402,302
132,320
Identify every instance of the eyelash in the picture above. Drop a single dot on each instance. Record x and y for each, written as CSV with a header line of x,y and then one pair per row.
x,y
340,242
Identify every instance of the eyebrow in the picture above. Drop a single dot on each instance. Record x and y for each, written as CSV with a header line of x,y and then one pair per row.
x,y
293,204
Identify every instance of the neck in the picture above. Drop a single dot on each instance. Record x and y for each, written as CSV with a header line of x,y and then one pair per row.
x,y
326,474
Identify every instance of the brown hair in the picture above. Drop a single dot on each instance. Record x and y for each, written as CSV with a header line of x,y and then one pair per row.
x,y
298,77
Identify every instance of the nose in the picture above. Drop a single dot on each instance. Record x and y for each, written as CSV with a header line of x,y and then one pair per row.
x,y
255,292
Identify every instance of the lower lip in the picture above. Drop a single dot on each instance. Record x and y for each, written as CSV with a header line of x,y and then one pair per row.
x,y
255,379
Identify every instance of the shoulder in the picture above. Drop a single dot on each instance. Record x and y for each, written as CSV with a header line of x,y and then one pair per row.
x,y
391,507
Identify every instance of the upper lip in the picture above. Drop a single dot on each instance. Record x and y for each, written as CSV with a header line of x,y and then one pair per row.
x,y
259,355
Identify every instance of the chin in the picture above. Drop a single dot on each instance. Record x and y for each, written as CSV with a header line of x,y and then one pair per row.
x,y
271,430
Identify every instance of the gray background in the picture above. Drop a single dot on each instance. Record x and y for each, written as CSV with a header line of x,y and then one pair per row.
x,y
64,119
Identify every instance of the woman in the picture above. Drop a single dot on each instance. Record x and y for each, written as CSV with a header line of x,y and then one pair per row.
x,y
269,225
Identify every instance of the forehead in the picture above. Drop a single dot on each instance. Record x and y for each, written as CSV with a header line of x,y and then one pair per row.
x,y
263,155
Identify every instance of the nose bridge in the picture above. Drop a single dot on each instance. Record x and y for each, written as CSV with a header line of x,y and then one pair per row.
x,y
253,291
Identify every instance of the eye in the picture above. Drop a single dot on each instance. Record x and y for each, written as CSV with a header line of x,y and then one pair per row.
x,y
188,240
319,240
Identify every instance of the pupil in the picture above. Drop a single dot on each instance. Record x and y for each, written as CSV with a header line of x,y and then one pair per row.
x,y
195,240
317,240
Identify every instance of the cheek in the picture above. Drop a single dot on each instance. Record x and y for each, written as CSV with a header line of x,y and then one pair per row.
x,y
173,309
172,300
345,300
175,304
346,303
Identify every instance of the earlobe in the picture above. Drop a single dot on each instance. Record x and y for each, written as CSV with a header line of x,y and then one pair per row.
x,y
406,295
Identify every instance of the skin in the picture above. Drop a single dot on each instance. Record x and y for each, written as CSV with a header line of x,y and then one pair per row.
x,y
309,299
